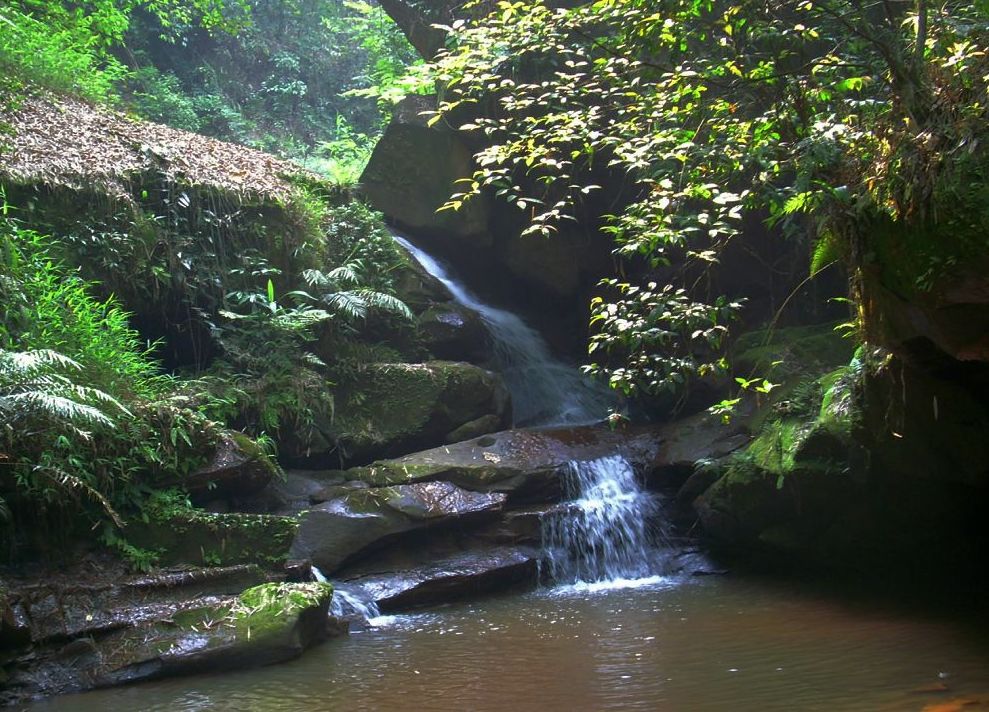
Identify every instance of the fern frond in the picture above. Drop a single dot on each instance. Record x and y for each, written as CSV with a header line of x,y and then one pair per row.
x,y
386,303
50,405
826,251
66,480
350,305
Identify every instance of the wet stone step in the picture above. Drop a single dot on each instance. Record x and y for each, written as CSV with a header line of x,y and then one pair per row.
x,y
468,574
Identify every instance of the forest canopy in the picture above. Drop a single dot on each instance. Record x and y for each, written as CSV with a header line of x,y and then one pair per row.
x,y
840,120
312,80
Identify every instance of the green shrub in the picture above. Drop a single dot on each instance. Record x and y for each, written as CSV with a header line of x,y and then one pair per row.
x,y
87,422
62,58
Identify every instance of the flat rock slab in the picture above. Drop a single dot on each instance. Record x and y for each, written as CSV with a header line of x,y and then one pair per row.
x,y
264,625
462,575
184,622
343,528
525,464
64,610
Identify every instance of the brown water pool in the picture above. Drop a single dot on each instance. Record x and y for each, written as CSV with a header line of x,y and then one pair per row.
x,y
712,643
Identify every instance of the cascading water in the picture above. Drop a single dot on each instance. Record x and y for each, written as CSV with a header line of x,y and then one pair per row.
x,y
602,531
544,390
350,605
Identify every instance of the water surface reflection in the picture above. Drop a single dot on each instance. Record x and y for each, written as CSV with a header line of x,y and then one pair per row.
x,y
702,644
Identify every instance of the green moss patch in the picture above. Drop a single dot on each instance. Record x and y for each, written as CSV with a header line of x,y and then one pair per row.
x,y
204,538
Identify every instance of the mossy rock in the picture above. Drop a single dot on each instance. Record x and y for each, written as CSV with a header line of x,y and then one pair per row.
x,y
784,352
410,173
266,624
237,469
199,537
390,409
344,528
785,487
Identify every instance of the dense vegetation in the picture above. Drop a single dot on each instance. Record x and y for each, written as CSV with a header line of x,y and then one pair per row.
x,y
237,293
854,129
312,81
860,126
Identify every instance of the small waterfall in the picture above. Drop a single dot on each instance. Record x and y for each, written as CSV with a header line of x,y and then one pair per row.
x,y
544,390
602,531
348,605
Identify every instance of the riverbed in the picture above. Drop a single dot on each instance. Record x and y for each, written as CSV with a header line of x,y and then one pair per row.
x,y
691,643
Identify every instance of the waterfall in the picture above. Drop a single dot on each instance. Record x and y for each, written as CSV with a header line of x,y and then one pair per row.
x,y
601,532
544,390
350,605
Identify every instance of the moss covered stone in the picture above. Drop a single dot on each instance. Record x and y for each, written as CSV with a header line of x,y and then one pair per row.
x,y
794,350
199,537
389,409
263,625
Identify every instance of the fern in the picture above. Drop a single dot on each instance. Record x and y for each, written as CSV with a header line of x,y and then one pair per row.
x,y
826,251
34,387
337,291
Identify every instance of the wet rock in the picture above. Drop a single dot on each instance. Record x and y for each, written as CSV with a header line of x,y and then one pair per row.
x,y
409,176
949,320
69,610
105,629
336,491
688,442
342,529
469,574
198,537
484,424
520,526
301,488
238,469
412,168
525,464
15,628
455,333
395,408
265,624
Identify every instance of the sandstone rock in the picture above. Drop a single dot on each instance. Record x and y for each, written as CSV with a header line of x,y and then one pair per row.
x,y
453,332
265,624
475,428
468,574
395,408
342,529
197,537
412,171
525,464
237,469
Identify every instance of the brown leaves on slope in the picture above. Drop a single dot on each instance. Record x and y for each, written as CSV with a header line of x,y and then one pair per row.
x,y
67,142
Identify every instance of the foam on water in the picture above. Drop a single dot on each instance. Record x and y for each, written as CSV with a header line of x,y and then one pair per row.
x,y
603,536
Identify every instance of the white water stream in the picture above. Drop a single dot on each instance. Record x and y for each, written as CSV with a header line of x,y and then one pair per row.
x,y
602,533
545,391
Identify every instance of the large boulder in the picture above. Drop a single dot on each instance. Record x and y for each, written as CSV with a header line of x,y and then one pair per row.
x,y
524,464
412,171
97,626
390,409
453,332
344,528
874,464
193,536
237,470
263,625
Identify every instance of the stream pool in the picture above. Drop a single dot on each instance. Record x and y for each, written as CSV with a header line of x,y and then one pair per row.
x,y
694,644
